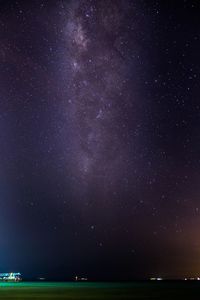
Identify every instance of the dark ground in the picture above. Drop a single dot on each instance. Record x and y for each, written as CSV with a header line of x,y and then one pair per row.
x,y
136,290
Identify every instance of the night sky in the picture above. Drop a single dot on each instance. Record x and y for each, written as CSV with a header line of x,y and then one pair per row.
x,y
100,138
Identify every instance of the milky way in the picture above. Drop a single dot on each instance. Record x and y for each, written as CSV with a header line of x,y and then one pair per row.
x,y
99,98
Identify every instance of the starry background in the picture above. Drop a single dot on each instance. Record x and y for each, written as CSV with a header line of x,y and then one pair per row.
x,y
99,139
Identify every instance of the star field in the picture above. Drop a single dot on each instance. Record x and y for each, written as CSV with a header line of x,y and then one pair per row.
x,y
99,118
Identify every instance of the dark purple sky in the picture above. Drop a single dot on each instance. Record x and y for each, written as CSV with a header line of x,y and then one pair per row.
x,y
100,138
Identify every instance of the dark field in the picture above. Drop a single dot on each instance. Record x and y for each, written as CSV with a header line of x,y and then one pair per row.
x,y
137,290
